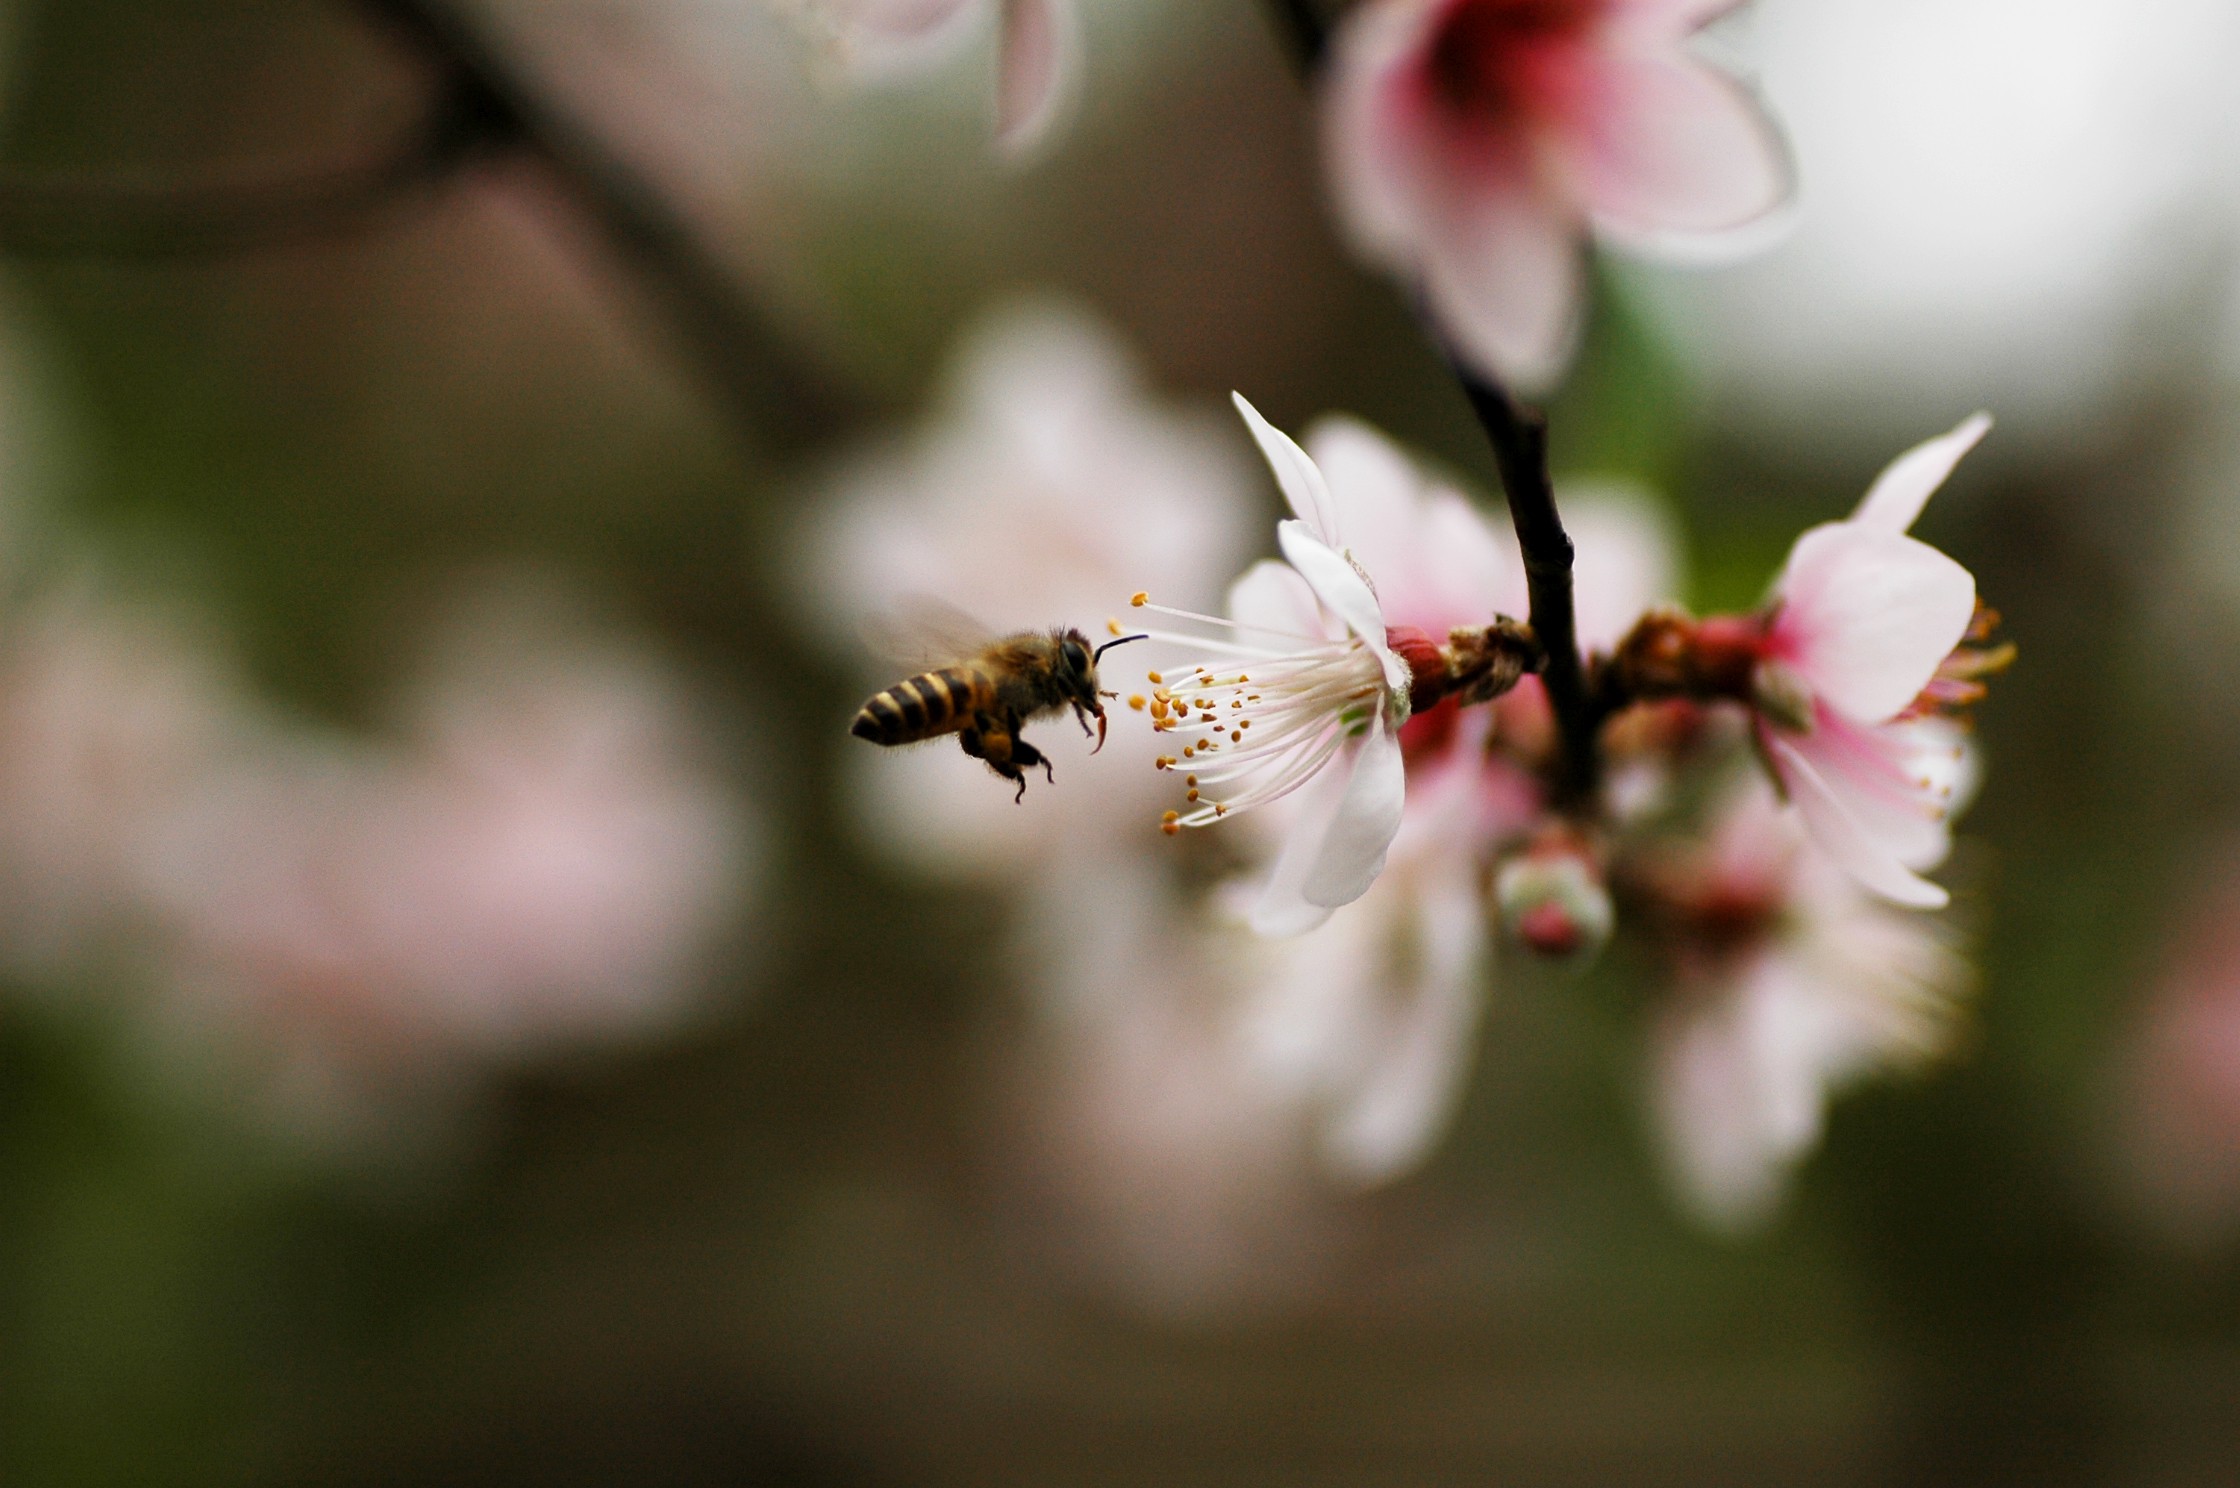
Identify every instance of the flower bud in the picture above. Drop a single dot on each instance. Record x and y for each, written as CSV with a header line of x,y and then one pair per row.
x,y
1553,900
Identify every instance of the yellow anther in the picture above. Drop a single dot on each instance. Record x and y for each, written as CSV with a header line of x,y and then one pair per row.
x,y
1139,599
1189,751
1172,829
1172,816
1135,701
1111,627
1189,780
1153,677
1190,796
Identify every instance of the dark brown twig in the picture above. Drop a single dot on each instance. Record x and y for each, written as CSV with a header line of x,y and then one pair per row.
x,y
1519,436
60,218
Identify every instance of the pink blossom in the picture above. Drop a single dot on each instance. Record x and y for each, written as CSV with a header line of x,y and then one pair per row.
x,y
1864,617
1791,985
1474,143
545,862
1035,61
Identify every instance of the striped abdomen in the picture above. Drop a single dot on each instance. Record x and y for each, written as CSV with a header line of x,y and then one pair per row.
x,y
927,705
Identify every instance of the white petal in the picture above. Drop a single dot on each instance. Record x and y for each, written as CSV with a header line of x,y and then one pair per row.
x,y
1669,18
1868,615
1368,817
1502,268
1407,1094
1342,590
1302,483
1282,908
1273,602
1898,494
1033,68
1840,833
1665,144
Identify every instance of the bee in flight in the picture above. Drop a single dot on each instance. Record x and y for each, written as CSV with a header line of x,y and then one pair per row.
x,y
989,696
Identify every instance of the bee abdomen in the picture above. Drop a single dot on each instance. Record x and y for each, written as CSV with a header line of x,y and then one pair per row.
x,y
929,704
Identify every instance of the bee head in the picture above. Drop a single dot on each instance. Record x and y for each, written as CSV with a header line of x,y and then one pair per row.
x,y
1077,671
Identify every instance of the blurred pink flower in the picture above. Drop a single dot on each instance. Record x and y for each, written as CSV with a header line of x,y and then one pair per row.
x,y
1863,619
1036,63
1473,143
111,713
1792,983
2179,1112
1045,487
547,862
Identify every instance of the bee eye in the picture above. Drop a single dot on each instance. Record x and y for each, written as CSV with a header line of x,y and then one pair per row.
x,y
1077,656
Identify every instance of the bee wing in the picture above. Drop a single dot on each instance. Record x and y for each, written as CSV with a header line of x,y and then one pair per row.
x,y
918,633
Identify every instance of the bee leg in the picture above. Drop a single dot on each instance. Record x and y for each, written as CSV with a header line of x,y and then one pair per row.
x,y
1027,757
991,738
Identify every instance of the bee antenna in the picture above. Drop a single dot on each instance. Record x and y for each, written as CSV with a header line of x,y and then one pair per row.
x,y
1098,654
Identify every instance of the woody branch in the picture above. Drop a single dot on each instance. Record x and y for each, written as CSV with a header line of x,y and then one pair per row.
x,y
1519,436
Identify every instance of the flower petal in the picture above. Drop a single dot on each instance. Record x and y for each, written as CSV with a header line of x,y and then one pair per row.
x,y
1663,143
1342,589
1668,19
1302,483
1282,909
1033,67
1431,963
1271,599
1353,846
1840,833
1868,615
1898,494
1502,268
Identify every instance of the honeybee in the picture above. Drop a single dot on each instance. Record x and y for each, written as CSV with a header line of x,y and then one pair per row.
x,y
989,696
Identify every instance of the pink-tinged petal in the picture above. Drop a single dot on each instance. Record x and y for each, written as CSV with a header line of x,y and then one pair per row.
x,y
1840,832
1302,483
1867,616
1662,143
1431,966
1033,68
1469,569
1625,560
1344,592
1502,268
1374,490
1354,844
1382,156
1273,600
1895,499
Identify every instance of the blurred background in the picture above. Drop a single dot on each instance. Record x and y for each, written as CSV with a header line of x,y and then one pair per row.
x,y
468,1013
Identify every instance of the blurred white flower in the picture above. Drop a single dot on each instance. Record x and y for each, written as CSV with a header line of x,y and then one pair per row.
x,y
1146,1136
1039,495
1474,143
1792,984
